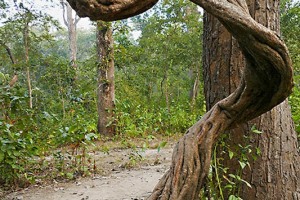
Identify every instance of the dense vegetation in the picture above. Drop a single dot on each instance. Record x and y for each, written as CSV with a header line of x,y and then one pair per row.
x,y
155,78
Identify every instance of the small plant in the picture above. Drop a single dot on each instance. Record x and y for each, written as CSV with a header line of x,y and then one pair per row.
x,y
220,180
161,145
135,157
16,149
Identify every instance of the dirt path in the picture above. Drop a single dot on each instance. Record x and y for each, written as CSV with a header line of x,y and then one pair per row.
x,y
118,184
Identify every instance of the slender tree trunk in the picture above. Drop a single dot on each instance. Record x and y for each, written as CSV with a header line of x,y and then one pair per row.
x,y
26,48
106,87
275,174
195,87
71,24
194,72
164,85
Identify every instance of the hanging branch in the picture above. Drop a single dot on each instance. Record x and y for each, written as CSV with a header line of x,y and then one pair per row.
x,y
110,10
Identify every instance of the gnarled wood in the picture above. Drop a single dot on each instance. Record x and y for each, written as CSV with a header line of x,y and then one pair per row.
x,y
109,10
266,82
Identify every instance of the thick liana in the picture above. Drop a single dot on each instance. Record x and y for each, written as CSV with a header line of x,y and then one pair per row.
x,y
110,10
266,82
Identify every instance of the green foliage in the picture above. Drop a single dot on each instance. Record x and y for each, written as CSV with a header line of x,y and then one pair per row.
x,y
15,150
222,180
162,65
16,136
290,27
155,74
295,105
149,120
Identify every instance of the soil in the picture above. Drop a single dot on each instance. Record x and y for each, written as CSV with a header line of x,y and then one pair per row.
x,y
125,175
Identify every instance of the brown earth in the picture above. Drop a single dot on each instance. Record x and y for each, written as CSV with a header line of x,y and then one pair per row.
x,y
126,174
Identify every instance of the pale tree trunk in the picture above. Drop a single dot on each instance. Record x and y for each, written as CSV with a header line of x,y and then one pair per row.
x,y
275,174
71,23
164,85
266,82
26,49
194,72
194,75
106,87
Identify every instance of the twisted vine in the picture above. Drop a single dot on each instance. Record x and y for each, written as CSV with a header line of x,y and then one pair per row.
x,y
266,82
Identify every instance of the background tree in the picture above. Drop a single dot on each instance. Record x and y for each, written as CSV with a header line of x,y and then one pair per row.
x,y
24,23
106,86
71,24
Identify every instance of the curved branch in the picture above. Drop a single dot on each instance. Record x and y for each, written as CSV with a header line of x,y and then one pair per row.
x,y
110,10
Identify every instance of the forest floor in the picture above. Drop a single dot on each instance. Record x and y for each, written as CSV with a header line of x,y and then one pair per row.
x,y
125,175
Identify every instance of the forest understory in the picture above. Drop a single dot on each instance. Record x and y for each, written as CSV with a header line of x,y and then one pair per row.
x,y
125,174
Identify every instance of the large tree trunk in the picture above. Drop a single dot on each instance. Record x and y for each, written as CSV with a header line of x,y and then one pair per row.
x,y
275,174
106,87
266,82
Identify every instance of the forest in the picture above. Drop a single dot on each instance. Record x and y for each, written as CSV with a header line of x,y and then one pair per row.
x,y
68,92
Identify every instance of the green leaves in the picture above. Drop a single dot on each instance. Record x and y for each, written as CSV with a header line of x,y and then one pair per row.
x,y
233,197
254,130
1,156
161,145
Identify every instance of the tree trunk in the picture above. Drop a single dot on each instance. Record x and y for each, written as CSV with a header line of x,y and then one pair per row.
x,y
194,71
274,175
71,23
26,49
164,85
195,87
106,87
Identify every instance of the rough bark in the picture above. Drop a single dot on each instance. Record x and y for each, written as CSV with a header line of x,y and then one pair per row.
x,y
266,81
106,87
256,85
223,65
109,10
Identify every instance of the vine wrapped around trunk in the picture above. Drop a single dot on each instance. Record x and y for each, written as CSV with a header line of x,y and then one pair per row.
x,y
266,82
